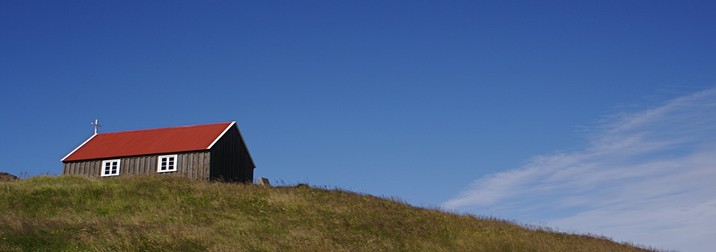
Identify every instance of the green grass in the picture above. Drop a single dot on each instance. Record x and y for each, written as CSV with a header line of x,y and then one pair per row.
x,y
168,214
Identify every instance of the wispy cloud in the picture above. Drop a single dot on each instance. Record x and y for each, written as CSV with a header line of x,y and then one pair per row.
x,y
647,177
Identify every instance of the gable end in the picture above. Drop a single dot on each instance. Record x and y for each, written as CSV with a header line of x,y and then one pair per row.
x,y
78,147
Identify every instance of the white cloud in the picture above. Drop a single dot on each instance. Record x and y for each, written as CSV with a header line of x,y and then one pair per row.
x,y
647,177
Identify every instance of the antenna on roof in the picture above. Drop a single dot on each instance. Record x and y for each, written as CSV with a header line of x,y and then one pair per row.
x,y
96,125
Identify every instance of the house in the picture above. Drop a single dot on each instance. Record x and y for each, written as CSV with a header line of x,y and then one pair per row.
x,y
205,152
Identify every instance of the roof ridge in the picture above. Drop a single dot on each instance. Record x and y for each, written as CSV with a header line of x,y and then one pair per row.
x,y
162,128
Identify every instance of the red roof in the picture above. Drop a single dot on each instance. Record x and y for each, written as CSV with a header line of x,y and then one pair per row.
x,y
151,141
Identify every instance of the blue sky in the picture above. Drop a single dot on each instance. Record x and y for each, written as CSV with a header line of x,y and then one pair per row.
x,y
492,108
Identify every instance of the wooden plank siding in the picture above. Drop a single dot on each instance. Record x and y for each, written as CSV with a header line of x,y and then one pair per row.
x,y
194,165
230,159
84,168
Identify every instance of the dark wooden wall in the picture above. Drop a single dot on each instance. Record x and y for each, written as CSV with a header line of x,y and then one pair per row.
x,y
90,168
230,159
193,165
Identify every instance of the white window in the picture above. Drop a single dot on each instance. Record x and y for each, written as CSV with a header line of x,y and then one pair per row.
x,y
110,167
167,163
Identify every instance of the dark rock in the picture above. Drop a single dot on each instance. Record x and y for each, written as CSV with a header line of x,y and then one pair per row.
x,y
4,176
264,182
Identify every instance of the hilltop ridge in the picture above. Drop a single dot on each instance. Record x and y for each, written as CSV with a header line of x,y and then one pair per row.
x,y
70,213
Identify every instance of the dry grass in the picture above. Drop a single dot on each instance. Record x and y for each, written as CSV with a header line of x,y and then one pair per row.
x,y
166,214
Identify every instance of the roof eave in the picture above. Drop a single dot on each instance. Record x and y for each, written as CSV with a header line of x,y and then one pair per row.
x,y
78,147
243,141
130,156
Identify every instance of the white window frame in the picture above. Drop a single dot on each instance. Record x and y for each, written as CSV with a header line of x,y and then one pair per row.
x,y
108,164
172,162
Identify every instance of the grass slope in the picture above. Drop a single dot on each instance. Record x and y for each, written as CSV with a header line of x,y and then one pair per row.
x,y
152,213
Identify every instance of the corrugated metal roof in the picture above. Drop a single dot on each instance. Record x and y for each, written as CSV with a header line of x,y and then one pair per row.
x,y
148,142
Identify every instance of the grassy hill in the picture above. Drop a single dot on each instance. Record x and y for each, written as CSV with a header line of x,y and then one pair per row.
x,y
153,213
